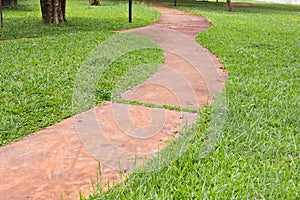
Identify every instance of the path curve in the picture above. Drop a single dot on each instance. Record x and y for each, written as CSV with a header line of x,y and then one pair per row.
x,y
54,162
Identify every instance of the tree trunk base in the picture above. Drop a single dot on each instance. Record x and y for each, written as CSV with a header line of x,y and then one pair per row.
x,y
94,2
228,5
53,11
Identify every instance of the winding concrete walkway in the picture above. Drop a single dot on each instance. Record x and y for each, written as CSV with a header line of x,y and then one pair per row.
x,y
62,159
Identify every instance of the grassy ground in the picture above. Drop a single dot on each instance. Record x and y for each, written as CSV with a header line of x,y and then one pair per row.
x,y
25,20
255,153
39,62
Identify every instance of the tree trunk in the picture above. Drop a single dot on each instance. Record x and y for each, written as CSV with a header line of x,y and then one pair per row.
x,y
53,11
228,5
94,2
1,19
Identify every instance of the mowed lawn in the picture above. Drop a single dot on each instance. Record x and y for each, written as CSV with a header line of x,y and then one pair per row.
x,y
255,152
38,63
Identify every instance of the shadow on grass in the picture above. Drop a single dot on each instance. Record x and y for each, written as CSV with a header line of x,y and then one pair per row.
x,y
24,20
31,28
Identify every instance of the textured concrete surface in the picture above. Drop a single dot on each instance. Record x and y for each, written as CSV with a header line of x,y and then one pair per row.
x,y
61,160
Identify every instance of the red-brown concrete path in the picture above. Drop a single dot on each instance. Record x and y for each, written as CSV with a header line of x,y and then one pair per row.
x,y
61,160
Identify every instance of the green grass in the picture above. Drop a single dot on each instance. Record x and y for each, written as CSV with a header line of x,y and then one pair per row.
x,y
252,147
25,20
39,62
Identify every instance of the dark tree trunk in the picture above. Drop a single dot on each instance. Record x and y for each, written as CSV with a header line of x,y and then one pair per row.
x,y
53,11
94,2
228,5
1,19
9,2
